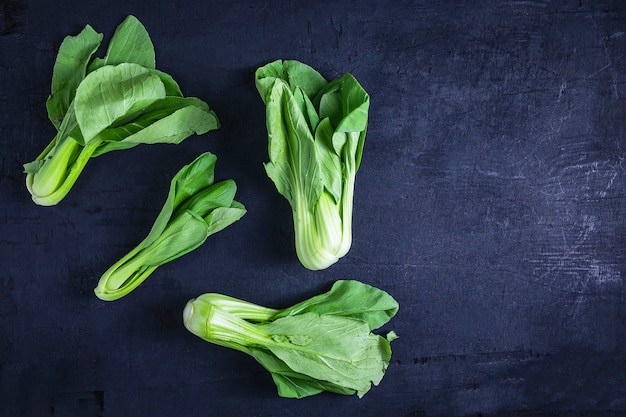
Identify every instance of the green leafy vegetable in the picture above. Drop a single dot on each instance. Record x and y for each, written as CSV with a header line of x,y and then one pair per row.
x,y
196,207
316,131
321,344
98,105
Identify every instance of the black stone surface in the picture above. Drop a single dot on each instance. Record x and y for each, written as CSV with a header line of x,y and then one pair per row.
x,y
491,203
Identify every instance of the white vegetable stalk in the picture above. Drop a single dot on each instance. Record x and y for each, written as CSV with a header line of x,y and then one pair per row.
x,y
318,233
204,318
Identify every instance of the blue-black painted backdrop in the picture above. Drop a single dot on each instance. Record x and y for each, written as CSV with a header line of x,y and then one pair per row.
x,y
490,203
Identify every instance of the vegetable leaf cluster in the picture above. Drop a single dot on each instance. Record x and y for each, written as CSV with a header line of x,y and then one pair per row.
x,y
196,207
98,105
316,131
321,344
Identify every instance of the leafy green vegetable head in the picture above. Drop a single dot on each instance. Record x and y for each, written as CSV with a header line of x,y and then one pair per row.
x,y
98,105
316,131
321,344
196,207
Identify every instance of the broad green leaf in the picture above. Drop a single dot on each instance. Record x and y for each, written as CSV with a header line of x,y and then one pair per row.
x,y
339,140
340,350
356,120
189,180
349,146
309,113
292,166
355,105
350,298
107,94
300,387
193,177
347,104
69,70
172,89
183,234
330,164
278,168
277,130
223,217
130,43
143,115
299,75
265,77
168,120
301,152
294,387
219,194
291,384
330,103
292,72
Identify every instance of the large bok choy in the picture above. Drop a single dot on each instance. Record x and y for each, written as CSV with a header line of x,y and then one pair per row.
x,y
316,130
98,105
322,344
196,207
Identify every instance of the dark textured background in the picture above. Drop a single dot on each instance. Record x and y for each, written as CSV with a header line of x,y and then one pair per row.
x,y
490,203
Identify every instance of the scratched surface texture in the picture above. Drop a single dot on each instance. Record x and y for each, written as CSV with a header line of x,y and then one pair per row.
x,y
491,203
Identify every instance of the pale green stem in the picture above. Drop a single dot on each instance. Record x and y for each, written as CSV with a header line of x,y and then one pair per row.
x,y
328,223
124,276
211,323
242,309
347,202
54,179
308,246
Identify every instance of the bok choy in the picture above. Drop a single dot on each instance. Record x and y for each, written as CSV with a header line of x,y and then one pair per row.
x,y
98,105
322,344
316,131
196,207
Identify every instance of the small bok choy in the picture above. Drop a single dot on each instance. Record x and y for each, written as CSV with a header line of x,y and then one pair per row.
x,y
316,131
98,105
322,344
196,207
